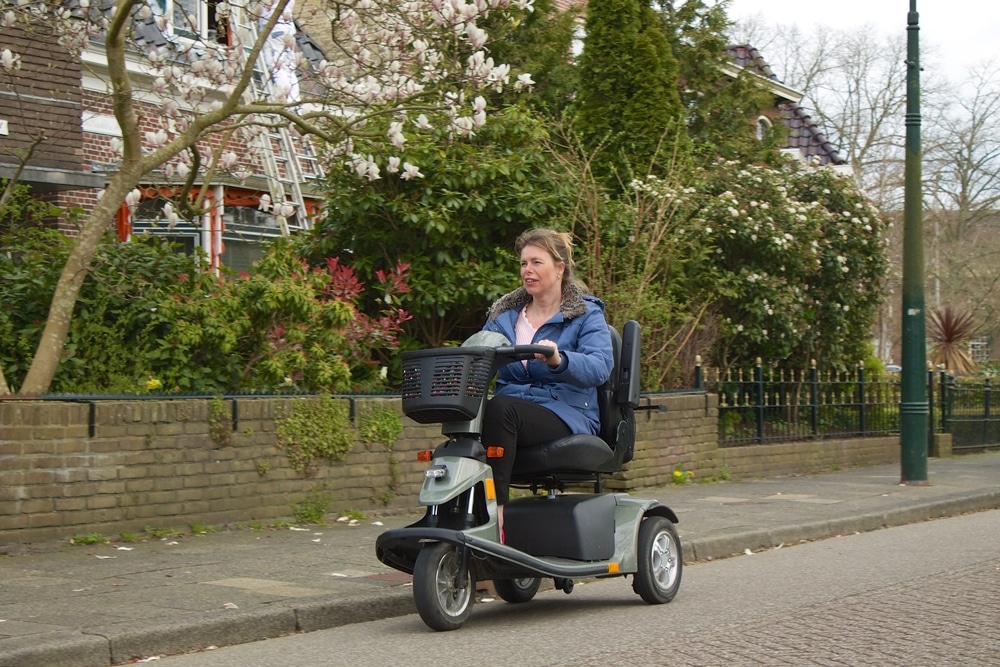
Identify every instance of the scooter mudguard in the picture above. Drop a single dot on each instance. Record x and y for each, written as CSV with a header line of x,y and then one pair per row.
x,y
460,498
629,514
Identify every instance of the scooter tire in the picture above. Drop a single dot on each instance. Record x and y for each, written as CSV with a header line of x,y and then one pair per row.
x,y
517,590
660,563
441,603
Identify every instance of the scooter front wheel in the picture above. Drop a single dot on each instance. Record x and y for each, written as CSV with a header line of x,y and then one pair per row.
x,y
660,563
442,603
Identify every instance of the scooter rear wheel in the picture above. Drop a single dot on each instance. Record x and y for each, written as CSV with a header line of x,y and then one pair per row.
x,y
659,560
517,590
441,602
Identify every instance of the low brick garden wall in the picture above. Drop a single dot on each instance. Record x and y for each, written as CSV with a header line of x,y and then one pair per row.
x,y
72,468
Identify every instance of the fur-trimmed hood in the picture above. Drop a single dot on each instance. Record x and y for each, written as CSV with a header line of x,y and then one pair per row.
x,y
573,304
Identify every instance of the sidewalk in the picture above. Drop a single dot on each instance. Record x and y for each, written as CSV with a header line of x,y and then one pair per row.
x,y
108,604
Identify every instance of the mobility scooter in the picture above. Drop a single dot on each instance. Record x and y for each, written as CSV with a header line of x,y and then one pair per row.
x,y
555,534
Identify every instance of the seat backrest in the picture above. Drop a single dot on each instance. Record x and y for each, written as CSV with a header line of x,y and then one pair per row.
x,y
619,395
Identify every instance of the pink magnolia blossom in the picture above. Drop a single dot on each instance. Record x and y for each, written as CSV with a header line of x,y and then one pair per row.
x,y
132,198
9,60
410,171
171,215
228,160
395,59
156,139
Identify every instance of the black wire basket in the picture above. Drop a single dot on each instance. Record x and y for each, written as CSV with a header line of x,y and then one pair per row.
x,y
447,384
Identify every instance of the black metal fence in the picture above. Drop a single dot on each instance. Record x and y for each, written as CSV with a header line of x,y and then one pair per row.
x,y
970,411
766,405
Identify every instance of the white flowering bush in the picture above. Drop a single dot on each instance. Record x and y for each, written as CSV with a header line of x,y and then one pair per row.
x,y
798,258
736,261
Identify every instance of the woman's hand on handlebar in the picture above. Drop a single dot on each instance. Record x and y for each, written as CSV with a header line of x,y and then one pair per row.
x,y
555,358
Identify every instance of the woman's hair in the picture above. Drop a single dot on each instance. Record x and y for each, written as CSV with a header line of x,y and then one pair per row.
x,y
558,244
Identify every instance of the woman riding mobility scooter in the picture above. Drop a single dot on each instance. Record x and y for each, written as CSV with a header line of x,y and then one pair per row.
x,y
558,535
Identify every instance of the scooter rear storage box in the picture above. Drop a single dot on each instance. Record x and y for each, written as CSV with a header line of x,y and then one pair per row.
x,y
577,526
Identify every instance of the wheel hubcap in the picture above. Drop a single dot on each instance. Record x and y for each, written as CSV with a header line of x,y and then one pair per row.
x,y
453,599
664,560
524,584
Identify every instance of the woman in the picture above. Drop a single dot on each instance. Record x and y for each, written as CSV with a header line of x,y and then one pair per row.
x,y
544,399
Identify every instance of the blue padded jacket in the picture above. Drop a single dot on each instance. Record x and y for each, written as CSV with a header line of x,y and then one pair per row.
x,y
581,332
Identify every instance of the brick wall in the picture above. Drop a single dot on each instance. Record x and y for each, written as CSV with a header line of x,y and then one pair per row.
x,y
70,468
96,147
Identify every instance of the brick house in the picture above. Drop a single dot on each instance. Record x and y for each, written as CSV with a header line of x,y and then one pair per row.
x,y
804,138
62,104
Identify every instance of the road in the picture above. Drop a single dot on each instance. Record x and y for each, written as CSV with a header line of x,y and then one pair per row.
x,y
923,594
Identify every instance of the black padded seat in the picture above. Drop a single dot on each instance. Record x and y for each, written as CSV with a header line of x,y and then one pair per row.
x,y
577,453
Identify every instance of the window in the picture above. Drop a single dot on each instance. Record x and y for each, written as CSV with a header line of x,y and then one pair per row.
x,y
194,19
763,128
979,350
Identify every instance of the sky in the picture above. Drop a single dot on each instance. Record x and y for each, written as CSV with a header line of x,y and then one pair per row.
x,y
963,31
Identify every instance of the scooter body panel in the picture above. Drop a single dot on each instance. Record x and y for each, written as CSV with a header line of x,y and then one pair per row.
x,y
535,553
459,475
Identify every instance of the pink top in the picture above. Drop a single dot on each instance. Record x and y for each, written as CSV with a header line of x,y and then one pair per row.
x,y
524,333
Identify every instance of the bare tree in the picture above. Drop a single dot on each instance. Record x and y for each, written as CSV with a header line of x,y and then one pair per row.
x,y
855,85
963,165
962,186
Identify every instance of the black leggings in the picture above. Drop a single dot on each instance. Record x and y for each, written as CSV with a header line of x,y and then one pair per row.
x,y
511,423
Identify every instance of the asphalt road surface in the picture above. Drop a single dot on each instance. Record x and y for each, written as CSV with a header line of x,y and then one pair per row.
x,y
923,594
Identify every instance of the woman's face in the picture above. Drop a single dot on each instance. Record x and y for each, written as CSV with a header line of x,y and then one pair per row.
x,y
540,273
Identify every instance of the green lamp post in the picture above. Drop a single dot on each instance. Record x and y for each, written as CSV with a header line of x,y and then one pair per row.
x,y
913,403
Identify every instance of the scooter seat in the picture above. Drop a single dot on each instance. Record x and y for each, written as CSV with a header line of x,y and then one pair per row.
x,y
576,453
579,458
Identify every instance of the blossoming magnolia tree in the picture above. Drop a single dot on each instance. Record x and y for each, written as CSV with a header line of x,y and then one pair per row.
x,y
396,67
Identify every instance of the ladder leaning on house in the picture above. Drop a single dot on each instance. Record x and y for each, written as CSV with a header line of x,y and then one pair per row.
x,y
282,161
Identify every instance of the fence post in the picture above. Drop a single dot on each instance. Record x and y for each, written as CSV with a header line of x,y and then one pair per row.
x,y
699,374
862,412
986,410
758,377
945,416
814,398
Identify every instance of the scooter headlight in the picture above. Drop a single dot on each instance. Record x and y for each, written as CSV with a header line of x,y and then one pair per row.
x,y
436,472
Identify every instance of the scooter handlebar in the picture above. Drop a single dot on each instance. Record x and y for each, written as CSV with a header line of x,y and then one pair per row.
x,y
523,352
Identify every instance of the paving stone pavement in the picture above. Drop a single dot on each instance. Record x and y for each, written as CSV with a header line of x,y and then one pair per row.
x,y
111,604
898,627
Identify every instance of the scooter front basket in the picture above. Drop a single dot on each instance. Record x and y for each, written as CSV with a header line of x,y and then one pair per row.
x,y
445,384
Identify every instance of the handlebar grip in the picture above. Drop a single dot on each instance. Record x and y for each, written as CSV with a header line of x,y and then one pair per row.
x,y
525,351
